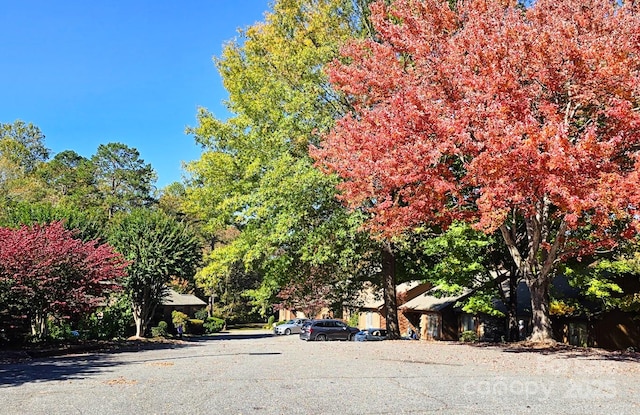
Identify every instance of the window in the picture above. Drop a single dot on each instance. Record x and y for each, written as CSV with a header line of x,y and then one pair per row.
x,y
467,323
578,334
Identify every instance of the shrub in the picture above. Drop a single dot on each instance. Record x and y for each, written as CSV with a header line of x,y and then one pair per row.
x,y
179,318
195,326
468,336
213,325
270,323
354,319
113,321
161,330
202,314
60,329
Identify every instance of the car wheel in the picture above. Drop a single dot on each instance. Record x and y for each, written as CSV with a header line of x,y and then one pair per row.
x,y
351,337
287,332
321,337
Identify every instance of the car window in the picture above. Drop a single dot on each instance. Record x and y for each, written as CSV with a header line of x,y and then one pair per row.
x,y
340,324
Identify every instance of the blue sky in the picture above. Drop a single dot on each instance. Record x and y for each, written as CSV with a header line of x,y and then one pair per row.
x,y
93,72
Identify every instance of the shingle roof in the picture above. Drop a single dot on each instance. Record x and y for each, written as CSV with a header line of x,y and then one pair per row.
x,y
373,298
176,299
429,302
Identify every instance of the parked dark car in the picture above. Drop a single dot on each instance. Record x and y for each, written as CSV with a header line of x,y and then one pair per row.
x,y
327,329
370,335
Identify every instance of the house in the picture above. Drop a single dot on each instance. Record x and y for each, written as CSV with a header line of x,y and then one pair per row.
x,y
592,326
372,310
614,330
436,317
186,303
285,314
439,317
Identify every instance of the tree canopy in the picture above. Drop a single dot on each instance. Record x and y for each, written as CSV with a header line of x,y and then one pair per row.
x,y
255,174
519,120
123,180
22,152
159,248
46,271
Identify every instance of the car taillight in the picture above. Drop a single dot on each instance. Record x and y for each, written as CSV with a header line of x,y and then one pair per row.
x,y
310,330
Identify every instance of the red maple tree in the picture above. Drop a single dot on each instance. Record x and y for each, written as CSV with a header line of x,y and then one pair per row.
x,y
312,293
45,271
304,296
525,121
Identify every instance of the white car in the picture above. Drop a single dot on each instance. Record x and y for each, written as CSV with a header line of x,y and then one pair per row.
x,y
290,327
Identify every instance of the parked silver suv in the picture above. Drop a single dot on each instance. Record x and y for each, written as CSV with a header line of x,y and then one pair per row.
x,y
327,329
290,327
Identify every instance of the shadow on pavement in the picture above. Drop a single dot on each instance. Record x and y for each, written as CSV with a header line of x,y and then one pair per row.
x,y
232,335
564,351
68,363
61,368
77,361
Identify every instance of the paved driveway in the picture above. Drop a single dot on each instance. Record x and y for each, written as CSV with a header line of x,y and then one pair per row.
x,y
257,373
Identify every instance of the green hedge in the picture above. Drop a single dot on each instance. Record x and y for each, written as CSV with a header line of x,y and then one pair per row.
x,y
213,325
468,336
196,326
160,330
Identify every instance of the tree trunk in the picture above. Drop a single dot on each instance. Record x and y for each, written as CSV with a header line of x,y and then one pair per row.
x,y
212,303
139,322
512,308
39,326
389,289
142,316
138,325
540,310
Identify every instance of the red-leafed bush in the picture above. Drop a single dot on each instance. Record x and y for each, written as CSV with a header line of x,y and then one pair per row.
x,y
45,271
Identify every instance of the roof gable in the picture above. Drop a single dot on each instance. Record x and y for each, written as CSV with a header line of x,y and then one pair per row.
x,y
174,298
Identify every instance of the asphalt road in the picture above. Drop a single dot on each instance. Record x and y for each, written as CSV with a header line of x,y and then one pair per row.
x,y
258,373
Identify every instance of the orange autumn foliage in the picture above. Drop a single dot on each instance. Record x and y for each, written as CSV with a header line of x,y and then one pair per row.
x,y
521,120
491,108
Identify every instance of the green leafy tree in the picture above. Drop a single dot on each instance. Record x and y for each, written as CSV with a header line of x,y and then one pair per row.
x,y
85,224
462,258
124,181
70,180
172,199
22,151
160,248
22,146
255,174
609,280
